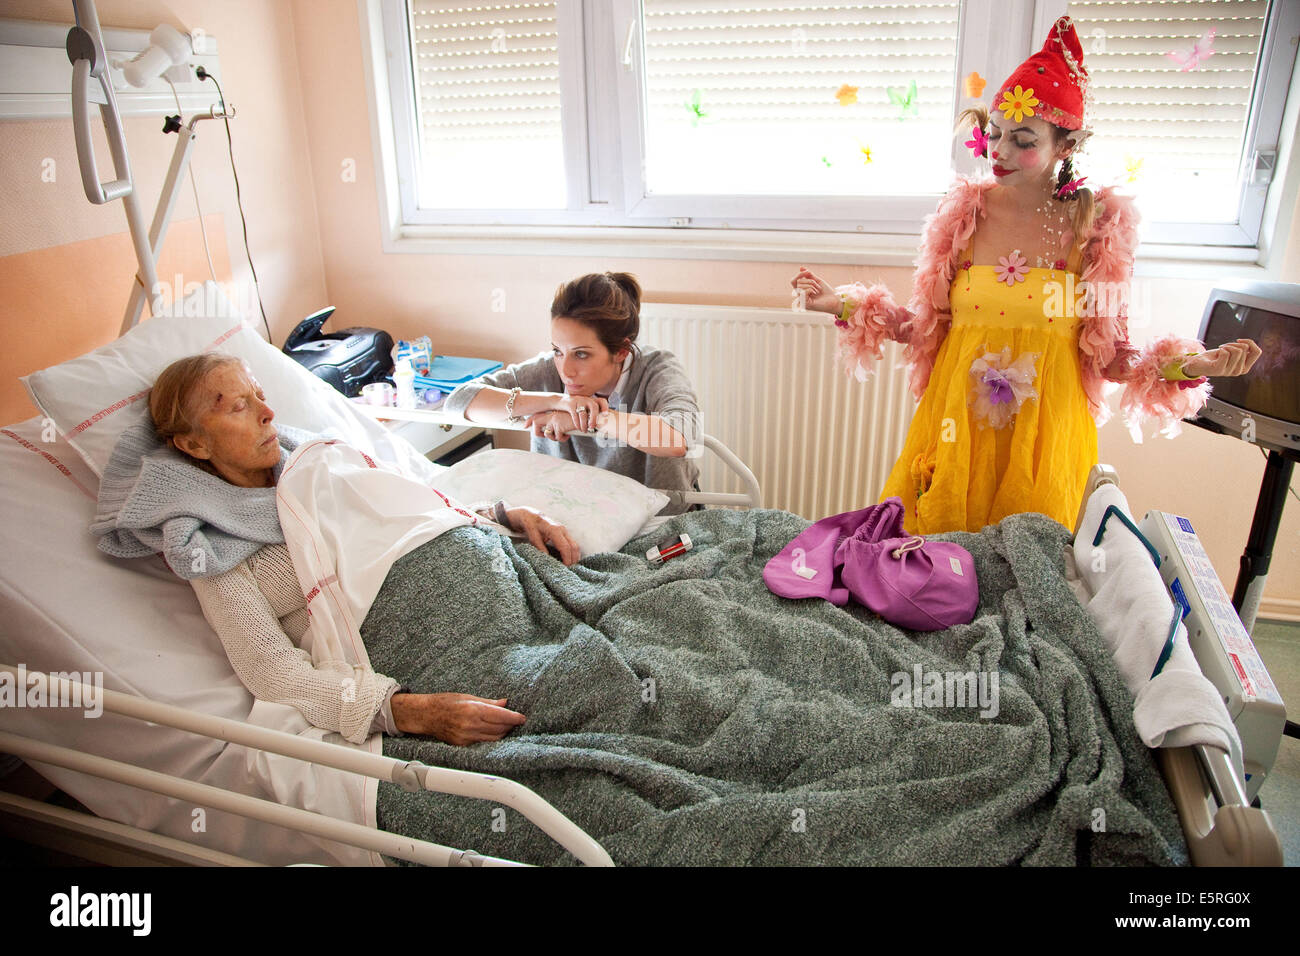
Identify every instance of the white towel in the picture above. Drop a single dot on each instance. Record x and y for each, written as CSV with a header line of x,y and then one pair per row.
x,y
1133,610
346,519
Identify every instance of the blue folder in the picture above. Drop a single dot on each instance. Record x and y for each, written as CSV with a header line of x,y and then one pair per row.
x,y
448,371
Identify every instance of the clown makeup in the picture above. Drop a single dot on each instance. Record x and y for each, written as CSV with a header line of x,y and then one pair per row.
x,y
1023,152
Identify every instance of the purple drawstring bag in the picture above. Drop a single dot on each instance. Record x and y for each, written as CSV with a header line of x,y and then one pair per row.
x,y
909,581
914,583
808,566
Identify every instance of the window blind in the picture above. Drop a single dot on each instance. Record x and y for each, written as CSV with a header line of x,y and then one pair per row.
x,y
1171,135
487,89
792,97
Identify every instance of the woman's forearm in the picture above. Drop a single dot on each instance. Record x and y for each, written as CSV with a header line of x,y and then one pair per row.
x,y
489,404
647,433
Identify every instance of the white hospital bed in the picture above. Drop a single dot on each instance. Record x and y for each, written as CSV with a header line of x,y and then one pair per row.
x,y
217,790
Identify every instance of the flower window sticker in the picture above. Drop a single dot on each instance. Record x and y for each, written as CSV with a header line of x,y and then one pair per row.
x,y
1011,269
1001,386
973,85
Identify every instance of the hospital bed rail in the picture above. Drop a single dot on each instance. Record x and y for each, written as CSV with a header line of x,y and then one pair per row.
x,y
1220,826
752,497
410,775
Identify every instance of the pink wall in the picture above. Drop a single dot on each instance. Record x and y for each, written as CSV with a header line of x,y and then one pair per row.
x,y
260,76
294,70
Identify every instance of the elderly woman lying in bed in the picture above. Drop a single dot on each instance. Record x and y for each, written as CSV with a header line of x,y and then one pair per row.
x,y
210,410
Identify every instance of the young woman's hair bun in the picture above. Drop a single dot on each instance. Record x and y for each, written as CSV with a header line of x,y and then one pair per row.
x,y
627,282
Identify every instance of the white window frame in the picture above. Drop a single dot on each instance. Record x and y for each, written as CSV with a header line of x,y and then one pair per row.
x,y
610,215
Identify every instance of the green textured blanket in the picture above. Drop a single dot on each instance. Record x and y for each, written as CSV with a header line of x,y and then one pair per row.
x,y
683,714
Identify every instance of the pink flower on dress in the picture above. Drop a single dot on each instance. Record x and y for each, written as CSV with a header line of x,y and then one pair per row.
x,y
1001,386
1012,268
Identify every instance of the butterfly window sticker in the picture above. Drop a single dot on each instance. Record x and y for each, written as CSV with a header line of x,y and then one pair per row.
x,y
905,100
696,109
1201,51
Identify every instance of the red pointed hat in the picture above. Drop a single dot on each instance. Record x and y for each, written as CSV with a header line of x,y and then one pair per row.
x,y
1051,84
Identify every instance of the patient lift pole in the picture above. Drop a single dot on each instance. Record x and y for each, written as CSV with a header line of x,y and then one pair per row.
x,y
90,61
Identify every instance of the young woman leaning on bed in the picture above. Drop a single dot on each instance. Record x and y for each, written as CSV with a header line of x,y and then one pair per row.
x,y
199,486
596,396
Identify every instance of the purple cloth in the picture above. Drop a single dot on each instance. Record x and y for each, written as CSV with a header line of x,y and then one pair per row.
x,y
909,581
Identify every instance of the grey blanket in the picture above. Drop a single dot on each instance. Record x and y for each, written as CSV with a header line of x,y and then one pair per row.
x,y
683,714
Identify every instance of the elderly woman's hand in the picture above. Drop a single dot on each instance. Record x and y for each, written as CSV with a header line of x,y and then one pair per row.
x,y
455,718
542,531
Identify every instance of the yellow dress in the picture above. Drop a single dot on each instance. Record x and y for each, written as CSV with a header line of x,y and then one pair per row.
x,y
1003,426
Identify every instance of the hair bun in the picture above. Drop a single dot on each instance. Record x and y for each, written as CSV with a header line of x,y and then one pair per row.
x,y
627,282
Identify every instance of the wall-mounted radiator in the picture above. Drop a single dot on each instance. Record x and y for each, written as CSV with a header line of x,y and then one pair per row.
x,y
819,441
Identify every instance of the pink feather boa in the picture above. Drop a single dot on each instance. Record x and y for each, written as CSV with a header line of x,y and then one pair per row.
x,y
1149,395
1104,350
875,320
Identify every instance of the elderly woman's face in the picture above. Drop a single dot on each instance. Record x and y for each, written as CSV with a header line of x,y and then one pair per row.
x,y
235,432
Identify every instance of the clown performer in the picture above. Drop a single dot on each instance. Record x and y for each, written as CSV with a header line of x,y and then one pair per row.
x,y
1010,376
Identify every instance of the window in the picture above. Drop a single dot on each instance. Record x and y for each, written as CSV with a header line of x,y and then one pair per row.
x,y
831,116
795,99
1173,83
486,79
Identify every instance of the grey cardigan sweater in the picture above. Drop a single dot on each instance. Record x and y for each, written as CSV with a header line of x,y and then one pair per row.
x,y
655,384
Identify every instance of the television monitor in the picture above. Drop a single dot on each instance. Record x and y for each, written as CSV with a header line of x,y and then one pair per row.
x,y
1262,406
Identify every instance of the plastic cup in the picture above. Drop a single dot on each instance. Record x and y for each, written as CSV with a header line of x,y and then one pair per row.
x,y
379,393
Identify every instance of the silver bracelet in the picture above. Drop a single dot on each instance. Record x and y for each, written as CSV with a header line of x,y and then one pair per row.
x,y
510,407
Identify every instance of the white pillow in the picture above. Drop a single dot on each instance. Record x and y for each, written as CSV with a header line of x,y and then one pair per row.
x,y
92,399
601,510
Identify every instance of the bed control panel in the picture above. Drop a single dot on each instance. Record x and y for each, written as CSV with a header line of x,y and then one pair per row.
x,y
1220,642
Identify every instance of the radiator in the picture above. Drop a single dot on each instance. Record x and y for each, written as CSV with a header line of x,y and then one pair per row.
x,y
819,441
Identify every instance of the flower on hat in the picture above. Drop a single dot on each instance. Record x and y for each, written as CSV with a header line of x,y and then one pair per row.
x,y
1018,103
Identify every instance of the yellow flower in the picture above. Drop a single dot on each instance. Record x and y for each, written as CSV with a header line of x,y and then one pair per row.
x,y
1017,104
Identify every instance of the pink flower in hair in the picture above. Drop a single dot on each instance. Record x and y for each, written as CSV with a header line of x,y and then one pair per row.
x,y
978,143
1012,268
1069,189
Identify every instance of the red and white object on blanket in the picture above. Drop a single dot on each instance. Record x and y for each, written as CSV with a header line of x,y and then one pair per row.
x,y
908,580
660,555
